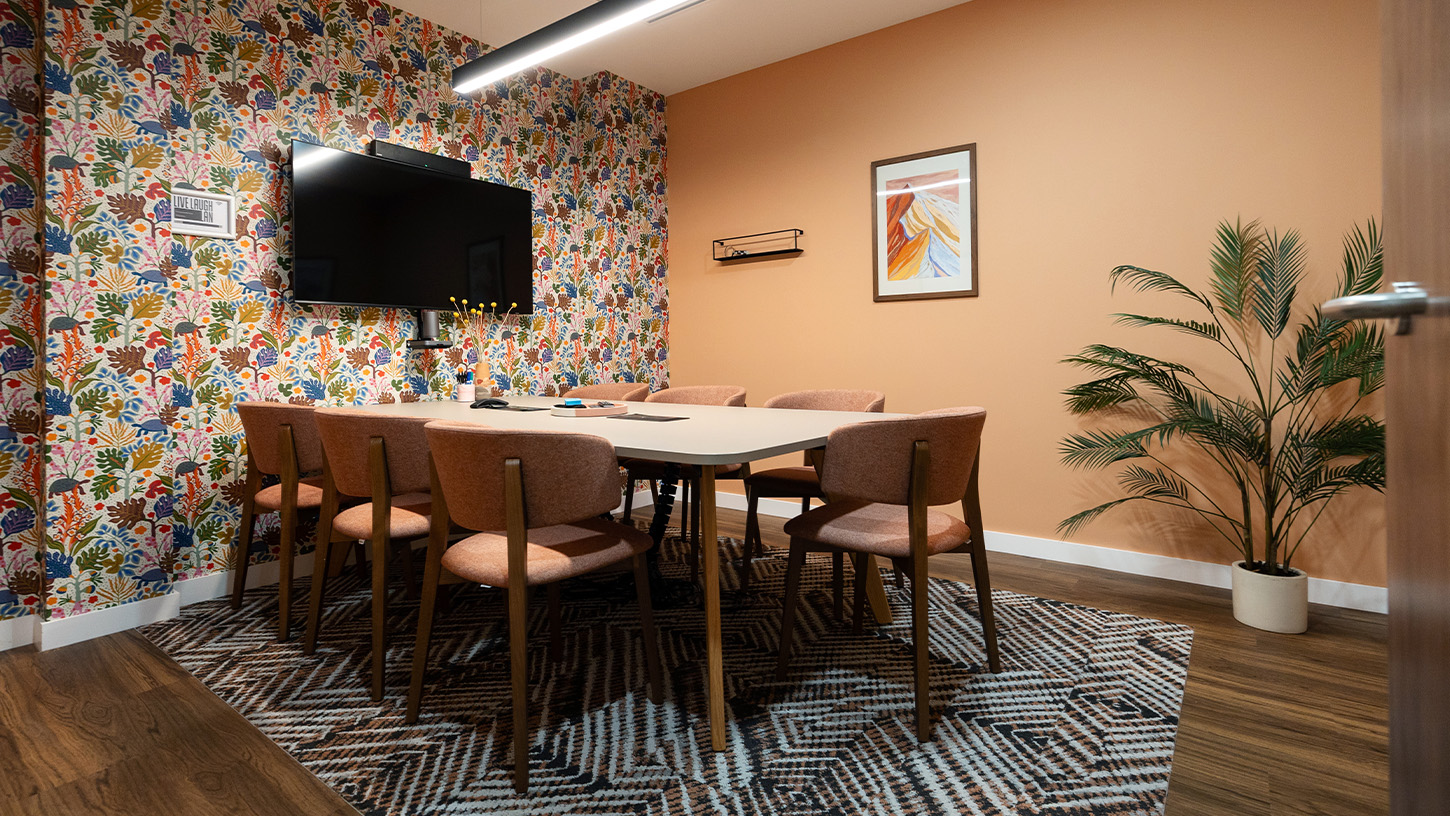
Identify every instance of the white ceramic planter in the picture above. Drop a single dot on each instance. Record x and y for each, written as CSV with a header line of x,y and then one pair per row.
x,y
1271,602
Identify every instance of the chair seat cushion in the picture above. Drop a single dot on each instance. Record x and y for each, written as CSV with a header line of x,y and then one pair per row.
x,y
796,482
650,469
309,494
879,529
410,518
554,553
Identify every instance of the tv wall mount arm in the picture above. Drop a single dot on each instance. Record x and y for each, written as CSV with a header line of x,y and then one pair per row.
x,y
428,332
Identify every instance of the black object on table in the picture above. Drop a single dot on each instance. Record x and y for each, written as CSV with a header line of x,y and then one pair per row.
x,y
667,593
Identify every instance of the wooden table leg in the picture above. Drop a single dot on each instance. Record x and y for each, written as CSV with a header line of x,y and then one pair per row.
x,y
876,593
714,658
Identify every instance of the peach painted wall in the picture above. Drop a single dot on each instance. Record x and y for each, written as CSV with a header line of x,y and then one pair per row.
x,y
1108,132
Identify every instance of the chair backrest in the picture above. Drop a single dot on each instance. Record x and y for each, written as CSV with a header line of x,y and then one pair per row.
x,y
262,420
700,395
830,399
566,476
628,392
346,436
871,461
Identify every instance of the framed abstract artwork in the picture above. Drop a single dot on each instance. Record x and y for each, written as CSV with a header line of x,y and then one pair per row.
x,y
924,216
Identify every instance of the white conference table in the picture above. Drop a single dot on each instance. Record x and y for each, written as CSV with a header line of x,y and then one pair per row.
x,y
710,435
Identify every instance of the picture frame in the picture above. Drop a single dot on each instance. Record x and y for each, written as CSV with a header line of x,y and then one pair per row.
x,y
925,246
204,213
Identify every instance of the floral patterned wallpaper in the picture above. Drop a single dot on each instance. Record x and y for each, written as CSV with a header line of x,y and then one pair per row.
x,y
21,467
150,338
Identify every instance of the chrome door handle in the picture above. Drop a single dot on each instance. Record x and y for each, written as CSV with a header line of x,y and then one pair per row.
x,y
1409,298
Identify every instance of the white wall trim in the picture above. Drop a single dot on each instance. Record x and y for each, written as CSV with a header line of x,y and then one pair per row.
x,y
1321,590
215,585
18,631
54,634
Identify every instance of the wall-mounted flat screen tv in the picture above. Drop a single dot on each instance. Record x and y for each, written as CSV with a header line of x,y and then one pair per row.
x,y
369,231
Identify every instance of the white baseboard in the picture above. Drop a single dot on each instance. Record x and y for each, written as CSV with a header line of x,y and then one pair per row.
x,y
219,584
1321,590
18,631
54,634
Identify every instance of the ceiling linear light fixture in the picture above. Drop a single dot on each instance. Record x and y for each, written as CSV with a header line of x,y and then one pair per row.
x,y
585,25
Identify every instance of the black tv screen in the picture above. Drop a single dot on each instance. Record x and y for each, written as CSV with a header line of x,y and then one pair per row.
x,y
369,231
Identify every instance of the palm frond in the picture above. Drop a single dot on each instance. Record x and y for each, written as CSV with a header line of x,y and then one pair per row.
x,y
1097,449
1359,354
1160,375
1232,263
1299,376
1148,280
1097,395
1153,483
1206,330
1363,262
1280,267
1357,435
1072,524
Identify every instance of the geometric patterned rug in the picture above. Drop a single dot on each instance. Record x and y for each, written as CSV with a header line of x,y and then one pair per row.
x,y
1080,721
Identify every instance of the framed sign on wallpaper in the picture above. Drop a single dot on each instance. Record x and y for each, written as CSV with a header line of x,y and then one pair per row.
x,y
201,212
924,216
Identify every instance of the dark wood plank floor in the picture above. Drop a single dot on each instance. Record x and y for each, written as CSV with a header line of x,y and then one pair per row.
x,y
1271,724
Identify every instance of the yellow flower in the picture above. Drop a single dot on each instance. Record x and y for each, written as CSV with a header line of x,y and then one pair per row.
x,y
493,304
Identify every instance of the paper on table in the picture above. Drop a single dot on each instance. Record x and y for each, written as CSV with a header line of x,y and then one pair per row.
x,y
647,417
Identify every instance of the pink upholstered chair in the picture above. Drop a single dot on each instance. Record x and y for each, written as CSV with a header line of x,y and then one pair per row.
x,y
650,470
804,482
383,459
542,493
881,479
623,391
282,441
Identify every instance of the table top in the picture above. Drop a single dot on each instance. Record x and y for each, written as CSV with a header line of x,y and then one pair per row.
x,y
709,434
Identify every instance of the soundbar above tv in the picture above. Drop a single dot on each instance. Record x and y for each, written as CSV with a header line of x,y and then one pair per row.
x,y
370,231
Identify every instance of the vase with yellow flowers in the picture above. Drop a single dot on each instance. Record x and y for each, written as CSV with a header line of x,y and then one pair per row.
x,y
484,330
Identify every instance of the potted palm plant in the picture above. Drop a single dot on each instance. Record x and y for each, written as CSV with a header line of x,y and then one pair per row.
x,y
1278,448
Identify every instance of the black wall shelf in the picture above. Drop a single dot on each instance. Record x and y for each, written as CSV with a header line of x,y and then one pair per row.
x,y
775,244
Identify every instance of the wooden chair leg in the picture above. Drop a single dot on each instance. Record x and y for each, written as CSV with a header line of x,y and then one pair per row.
x,y
984,603
322,563
860,566
919,643
628,499
321,560
432,572
284,580
519,679
900,577
787,614
647,630
244,547
838,583
752,537
556,635
380,612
